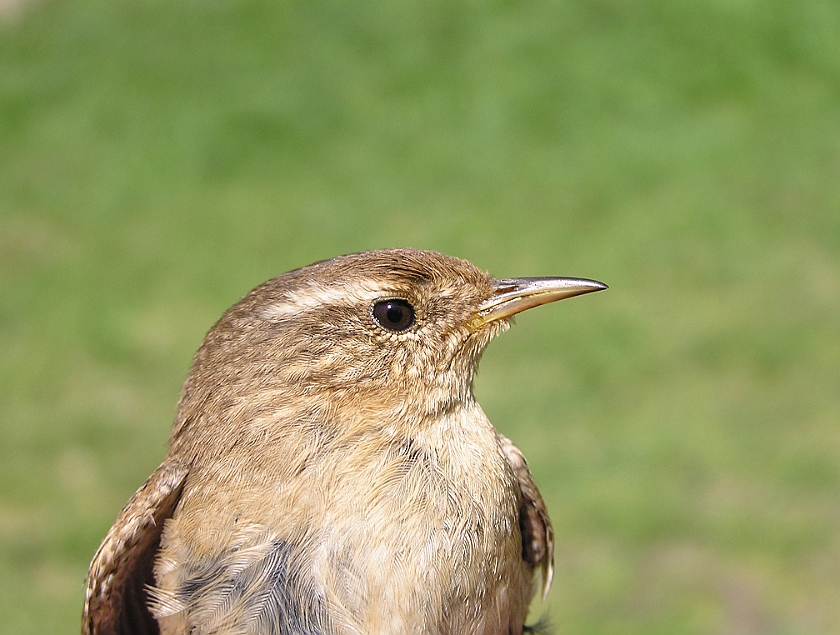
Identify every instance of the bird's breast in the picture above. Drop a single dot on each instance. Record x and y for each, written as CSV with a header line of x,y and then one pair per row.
x,y
390,528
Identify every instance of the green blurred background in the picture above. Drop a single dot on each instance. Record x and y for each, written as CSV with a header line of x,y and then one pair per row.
x,y
160,158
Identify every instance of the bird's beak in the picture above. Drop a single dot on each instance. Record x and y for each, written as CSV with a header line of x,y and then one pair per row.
x,y
514,295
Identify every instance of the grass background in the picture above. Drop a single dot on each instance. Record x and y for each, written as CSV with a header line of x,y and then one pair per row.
x,y
160,158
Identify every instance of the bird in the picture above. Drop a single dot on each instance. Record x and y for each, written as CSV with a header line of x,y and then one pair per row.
x,y
329,471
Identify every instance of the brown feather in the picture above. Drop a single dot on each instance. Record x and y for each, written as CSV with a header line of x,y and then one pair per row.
x,y
342,478
116,600
534,523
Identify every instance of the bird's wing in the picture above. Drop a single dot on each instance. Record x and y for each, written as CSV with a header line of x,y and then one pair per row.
x,y
537,534
115,595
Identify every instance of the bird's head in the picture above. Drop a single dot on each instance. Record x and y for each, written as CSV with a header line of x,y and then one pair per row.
x,y
389,332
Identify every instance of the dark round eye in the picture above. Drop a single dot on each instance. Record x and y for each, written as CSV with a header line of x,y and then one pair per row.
x,y
394,315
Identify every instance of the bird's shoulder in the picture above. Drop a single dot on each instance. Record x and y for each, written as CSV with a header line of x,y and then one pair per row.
x,y
534,523
115,595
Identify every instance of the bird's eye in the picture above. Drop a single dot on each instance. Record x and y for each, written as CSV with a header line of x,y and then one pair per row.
x,y
394,315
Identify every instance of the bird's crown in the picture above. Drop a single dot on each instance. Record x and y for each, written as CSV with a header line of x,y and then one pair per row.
x,y
388,333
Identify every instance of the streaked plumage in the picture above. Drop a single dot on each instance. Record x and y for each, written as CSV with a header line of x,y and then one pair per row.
x,y
329,470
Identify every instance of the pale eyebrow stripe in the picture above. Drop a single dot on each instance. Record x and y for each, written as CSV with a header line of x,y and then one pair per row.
x,y
314,296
